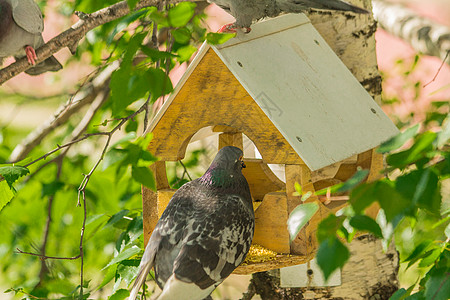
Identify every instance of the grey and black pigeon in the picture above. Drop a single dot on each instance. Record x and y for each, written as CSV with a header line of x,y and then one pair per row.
x,y
204,233
21,27
247,11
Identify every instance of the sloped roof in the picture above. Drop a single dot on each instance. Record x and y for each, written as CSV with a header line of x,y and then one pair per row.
x,y
304,88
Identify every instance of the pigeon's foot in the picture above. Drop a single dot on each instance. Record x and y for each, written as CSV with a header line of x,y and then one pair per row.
x,y
232,28
31,55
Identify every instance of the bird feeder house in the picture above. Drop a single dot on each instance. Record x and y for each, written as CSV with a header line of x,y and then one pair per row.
x,y
284,88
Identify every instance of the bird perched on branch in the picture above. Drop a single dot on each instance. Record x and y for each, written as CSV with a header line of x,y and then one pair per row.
x,y
21,27
247,11
204,233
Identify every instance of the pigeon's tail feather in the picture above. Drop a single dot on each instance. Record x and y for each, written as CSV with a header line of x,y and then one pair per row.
x,y
51,64
144,268
296,6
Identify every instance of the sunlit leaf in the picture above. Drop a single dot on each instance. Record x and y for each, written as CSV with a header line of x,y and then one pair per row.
x,y
120,294
182,35
128,269
444,135
12,173
331,255
6,194
299,217
181,14
124,255
185,53
214,38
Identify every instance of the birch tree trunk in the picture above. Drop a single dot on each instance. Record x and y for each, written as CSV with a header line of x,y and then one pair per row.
x,y
370,273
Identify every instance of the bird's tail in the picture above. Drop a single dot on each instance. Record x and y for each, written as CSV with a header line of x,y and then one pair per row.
x,y
296,6
144,268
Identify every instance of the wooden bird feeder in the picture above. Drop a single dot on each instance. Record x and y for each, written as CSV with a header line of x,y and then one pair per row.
x,y
284,88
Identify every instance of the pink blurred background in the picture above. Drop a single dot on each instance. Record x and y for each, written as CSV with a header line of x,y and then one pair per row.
x,y
389,50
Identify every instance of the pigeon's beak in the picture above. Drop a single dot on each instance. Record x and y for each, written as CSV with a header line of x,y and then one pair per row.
x,y
241,159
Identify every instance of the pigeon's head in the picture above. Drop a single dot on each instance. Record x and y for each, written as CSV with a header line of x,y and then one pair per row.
x,y
229,158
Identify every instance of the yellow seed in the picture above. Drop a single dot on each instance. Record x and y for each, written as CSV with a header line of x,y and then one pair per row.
x,y
259,254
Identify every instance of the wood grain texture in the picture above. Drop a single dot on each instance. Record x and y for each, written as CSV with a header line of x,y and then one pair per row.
x,y
270,223
230,139
260,178
281,261
199,104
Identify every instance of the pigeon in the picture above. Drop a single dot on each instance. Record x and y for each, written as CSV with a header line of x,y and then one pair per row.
x,y
204,233
21,27
246,11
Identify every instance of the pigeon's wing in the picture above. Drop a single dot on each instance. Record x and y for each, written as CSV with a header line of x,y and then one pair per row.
x,y
215,243
146,264
162,247
26,14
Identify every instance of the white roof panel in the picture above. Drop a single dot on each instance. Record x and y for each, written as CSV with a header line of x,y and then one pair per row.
x,y
306,90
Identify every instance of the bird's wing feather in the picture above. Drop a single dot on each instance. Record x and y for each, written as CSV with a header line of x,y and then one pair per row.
x,y
26,14
215,243
146,264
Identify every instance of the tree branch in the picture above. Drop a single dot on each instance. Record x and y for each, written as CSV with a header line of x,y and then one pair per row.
x,y
85,97
74,34
423,34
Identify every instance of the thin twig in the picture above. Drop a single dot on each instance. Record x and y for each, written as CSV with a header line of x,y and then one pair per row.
x,y
75,33
44,257
439,70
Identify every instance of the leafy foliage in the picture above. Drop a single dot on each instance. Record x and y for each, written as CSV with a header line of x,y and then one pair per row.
x,y
145,45
409,201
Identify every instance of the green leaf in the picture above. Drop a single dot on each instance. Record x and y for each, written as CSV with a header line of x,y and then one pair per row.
x,y
429,258
437,286
182,35
328,227
128,269
447,231
181,14
418,251
144,176
354,181
444,135
392,202
124,255
299,217
332,255
399,295
421,186
113,156
12,173
422,145
110,274
365,223
156,55
117,217
398,140
215,38
185,53
158,82
6,194
120,294
363,196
